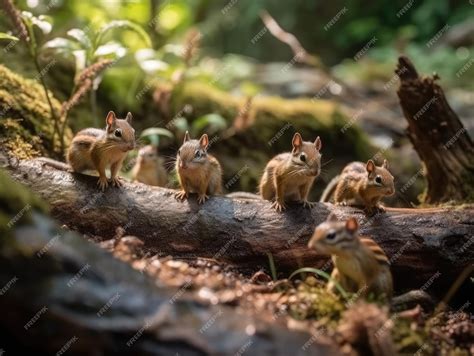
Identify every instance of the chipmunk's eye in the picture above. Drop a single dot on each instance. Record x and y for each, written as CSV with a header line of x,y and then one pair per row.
x,y
331,236
118,133
378,180
198,154
303,157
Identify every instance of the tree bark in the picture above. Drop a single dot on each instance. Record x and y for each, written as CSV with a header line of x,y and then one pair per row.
x,y
438,136
419,242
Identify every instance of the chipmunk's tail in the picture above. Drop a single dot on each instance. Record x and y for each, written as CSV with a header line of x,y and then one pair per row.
x,y
55,164
329,190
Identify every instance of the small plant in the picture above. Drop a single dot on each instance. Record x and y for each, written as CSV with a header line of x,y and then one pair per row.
x,y
24,24
324,275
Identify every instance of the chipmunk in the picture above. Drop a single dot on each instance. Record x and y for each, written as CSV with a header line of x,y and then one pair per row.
x,y
360,265
97,149
361,184
149,167
198,171
290,175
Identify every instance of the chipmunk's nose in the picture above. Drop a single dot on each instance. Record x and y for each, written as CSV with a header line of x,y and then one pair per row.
x,y
315,171
182,165
391,191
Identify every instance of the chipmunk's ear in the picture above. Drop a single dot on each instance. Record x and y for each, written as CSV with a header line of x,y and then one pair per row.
x,y
110,119
318,143
352,225
385,164
186,137
332,217
297,141
204,141
370,166
129,118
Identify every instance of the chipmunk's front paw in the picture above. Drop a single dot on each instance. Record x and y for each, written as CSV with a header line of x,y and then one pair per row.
x,y
279,207
202,198
308,204
374,210
102,183
181,195
117,182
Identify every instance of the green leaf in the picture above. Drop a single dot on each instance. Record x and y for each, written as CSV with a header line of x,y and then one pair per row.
x,y
324,275
181,124
157,131
122,24
149,62
5,36
110,49
271,262
80,59
81,37
213,123
61,44
42,22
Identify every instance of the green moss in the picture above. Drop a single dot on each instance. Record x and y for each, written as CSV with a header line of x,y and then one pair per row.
x,y
26,126
311,300
411,338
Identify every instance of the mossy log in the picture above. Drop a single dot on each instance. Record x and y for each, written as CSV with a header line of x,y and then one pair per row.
x,y
438,136
419,242
62,293
26,125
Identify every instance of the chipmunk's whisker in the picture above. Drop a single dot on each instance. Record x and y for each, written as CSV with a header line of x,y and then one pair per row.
x,y
324,175
327,162
169,157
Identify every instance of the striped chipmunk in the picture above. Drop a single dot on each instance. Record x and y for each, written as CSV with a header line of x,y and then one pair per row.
x,y
360,265
96,149
149,167
198,171
361,184
289,176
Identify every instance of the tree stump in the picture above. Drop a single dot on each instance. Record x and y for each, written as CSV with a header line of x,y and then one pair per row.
x,y
437,135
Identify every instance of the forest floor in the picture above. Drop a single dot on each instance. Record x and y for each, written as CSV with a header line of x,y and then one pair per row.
x,y
302,305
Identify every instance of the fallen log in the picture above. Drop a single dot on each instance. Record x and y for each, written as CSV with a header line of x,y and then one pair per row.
x,y
438,136
61,293
428,244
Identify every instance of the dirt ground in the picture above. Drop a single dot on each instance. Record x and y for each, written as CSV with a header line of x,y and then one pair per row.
x,y
358,327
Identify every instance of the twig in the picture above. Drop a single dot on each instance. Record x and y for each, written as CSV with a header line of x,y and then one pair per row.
x,y
301,55
83,84
50,103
